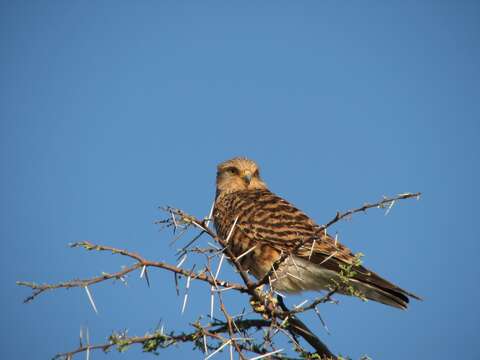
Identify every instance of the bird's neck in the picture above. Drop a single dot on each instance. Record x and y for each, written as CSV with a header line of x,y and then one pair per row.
x,y
220,194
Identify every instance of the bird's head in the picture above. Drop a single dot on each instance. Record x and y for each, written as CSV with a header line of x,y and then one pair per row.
x,y
238,174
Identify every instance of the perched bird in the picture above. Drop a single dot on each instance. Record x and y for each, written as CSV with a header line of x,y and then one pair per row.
x,y
260,226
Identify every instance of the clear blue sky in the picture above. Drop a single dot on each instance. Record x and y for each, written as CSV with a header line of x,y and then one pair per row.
x,y
110,109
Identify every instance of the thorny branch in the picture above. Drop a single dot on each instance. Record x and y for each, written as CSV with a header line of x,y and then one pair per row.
x,y
141,263
236,332
161,339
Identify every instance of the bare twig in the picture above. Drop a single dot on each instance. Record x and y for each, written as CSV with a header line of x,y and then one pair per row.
x,y
380,204
141,262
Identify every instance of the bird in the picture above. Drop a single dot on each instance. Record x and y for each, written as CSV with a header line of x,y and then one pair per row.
x,y
259,227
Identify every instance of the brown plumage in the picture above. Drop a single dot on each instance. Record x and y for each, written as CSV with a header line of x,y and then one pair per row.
x,y
267,226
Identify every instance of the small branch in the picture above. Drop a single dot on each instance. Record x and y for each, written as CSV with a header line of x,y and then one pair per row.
x,y
297,327
158,339
202,226
381,204
40,288
321,300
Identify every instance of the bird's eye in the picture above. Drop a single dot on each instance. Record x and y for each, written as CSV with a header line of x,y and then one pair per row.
x,y
256,173
232,170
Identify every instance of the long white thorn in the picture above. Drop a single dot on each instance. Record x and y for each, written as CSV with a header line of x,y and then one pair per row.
x,y
198,225
213,245
311,249
212,301
246,252
88,345
219,266
210,214
329,257
186,295
225,289
231,230
205,344
122,279
182,260
235,325
265,355
301,304
143,271
390,207
283,322
81,336
220,348
175,225
91,299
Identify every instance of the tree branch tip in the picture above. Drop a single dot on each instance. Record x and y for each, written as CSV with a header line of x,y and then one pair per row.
x,y
84,244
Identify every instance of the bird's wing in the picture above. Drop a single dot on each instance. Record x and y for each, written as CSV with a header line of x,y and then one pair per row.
x,y
267,218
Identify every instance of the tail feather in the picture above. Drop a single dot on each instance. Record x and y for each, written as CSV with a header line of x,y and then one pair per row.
x,y
385,296
378,289
373,286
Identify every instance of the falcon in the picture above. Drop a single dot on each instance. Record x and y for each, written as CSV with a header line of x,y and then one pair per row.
x,y
260,227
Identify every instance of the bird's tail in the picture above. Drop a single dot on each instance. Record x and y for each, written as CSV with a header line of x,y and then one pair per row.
x,y
304,275
375,288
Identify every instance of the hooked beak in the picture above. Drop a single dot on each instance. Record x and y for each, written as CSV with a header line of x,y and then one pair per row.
x,y
247,177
